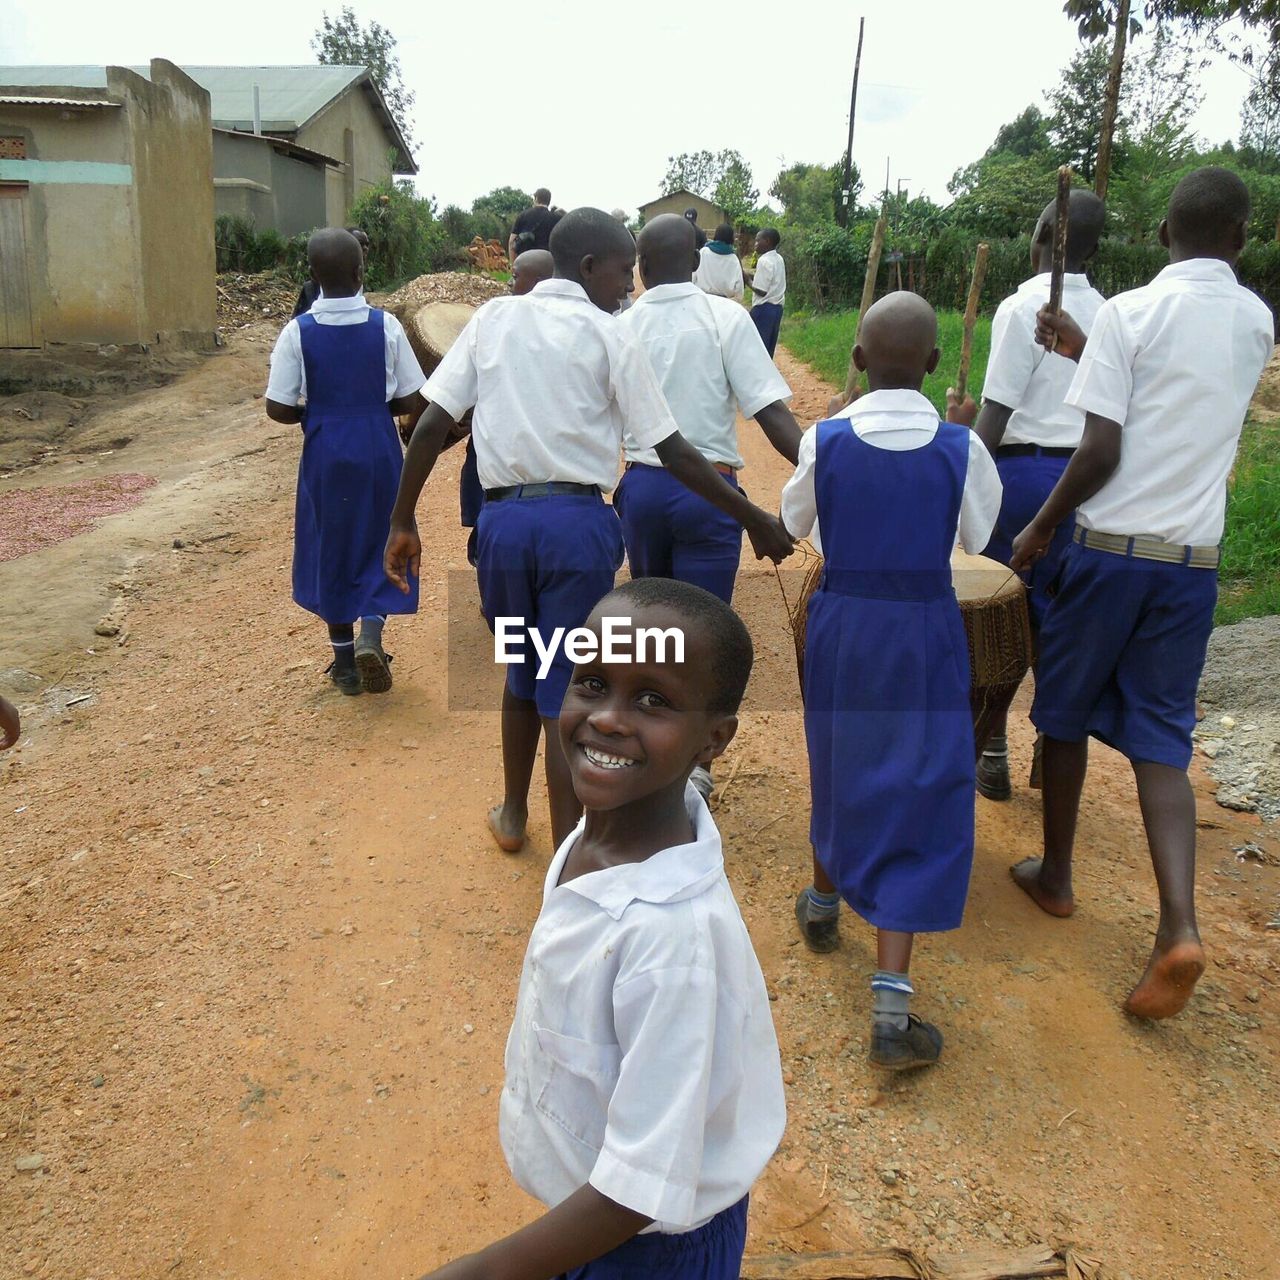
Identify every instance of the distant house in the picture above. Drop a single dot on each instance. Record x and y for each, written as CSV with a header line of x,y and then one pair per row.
x,y
293,147
709,215
106,210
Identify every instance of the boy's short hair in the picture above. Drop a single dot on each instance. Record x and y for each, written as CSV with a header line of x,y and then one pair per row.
x,y
772,236
731,651
542,196
1206,207
587,231
724,233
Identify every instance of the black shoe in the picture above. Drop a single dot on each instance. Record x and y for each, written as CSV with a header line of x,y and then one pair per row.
x,y
993,777
920,1045
373,665
347,679
819,935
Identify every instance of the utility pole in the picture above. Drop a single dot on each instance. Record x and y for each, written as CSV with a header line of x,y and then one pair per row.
x,y
846,187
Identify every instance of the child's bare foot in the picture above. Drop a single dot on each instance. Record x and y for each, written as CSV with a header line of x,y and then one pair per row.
x,y
1028,876
1171,976
508,826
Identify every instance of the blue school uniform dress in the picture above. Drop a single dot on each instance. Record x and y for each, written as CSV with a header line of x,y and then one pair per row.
x,y
347,476
886,679
1124,639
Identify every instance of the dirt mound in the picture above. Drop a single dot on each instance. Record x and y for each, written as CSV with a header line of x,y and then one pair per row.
x,y
445,286
33,422
244,299
1240,733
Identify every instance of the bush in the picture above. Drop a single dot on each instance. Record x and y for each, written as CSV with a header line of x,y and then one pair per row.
x,y
240,247
405,238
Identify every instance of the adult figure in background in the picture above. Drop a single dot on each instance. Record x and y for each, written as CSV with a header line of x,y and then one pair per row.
x,y
311,291
719,270
691,216
532,229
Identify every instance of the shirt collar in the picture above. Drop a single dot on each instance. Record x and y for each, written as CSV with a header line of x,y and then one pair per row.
x,y
666,292
561,289
1199,269
339,304
1070,280
890,400
670,875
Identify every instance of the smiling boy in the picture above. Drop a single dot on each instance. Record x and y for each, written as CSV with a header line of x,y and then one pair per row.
x,y
644,1089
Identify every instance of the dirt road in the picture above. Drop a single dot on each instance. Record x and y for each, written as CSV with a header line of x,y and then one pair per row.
x,y
259,956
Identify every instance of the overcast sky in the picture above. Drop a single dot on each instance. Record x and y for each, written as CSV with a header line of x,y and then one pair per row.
x,y
590,97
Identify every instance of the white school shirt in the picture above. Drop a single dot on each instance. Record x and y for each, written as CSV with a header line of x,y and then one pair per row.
x,y
553,380
1024,377
643,1059
1175,364
771,275
710,363
718,273
896,420
287,383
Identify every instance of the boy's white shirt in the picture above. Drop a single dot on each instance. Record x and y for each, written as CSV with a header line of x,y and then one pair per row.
x,y
1175,363
1024,377
771,275
287,383
896,420
642,1058
719,273
553,381
710,363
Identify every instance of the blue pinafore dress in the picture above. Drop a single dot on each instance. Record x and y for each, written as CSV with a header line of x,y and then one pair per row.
x,y
886,681
348,475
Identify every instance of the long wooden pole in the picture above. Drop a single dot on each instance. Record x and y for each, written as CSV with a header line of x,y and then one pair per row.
x,y
1111,102
868,293
971,318
846,187
1062,217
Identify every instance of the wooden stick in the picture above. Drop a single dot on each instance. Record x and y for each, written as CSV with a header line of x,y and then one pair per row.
x,y
1033,1262
971,318
868,294
1062,216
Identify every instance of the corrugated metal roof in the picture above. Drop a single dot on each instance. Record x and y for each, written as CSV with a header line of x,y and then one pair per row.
x,y
288,96
16,100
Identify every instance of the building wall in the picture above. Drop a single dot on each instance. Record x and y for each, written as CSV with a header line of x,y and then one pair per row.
x,y
252,178
349,130
709,216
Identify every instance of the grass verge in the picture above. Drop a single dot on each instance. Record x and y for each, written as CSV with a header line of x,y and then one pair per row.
x,y
1250,575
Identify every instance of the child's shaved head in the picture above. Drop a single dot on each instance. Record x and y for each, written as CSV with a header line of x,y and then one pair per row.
x,y
668,249
1209,214
898,341
587,232
1086,217
530,268
336,261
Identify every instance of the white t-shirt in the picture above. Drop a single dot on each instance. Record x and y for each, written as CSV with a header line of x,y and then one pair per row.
x,y
771,276
287,383
718,273
642,1058
1175,364
1024,377
896,420
553,380
710,362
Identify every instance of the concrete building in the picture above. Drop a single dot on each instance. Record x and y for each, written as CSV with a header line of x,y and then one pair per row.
x,y
293,147
709,215
106,210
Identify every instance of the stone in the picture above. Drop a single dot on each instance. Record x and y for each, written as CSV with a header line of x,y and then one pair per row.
x,y
29,1164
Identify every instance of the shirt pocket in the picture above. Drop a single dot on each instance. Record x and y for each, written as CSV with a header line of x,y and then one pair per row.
x,y
573,1083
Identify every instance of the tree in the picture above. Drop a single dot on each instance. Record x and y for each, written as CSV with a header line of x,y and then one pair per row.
x,y
1026,136
506,203
341,41
1001,195
734,192
1075,125
694,171
809,193
1097,18
1260,128
723,177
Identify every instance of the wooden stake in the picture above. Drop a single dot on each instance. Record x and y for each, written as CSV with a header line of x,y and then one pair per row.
x,y
868,294
1033,1262
1062,217
971,318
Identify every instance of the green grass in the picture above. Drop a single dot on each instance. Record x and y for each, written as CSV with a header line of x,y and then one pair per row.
x,y
1250,574
823,342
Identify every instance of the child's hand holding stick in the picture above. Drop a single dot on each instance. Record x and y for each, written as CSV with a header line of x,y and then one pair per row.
x,y
1058,269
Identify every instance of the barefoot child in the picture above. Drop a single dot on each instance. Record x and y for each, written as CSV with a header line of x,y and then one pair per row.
x,y
1027,426
353,366
768,288
643,1084
1165,380
886,669
553,381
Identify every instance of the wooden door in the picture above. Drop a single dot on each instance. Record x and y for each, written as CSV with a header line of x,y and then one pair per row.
x,y
16,328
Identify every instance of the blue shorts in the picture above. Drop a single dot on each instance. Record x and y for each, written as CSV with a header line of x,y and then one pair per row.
x,y
1121,651
1028,481
671,532
768,320
548,561
712,1252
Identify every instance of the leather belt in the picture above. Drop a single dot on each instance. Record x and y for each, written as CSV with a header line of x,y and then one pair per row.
x,y
722,467
1141,548
552,489
1031,451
